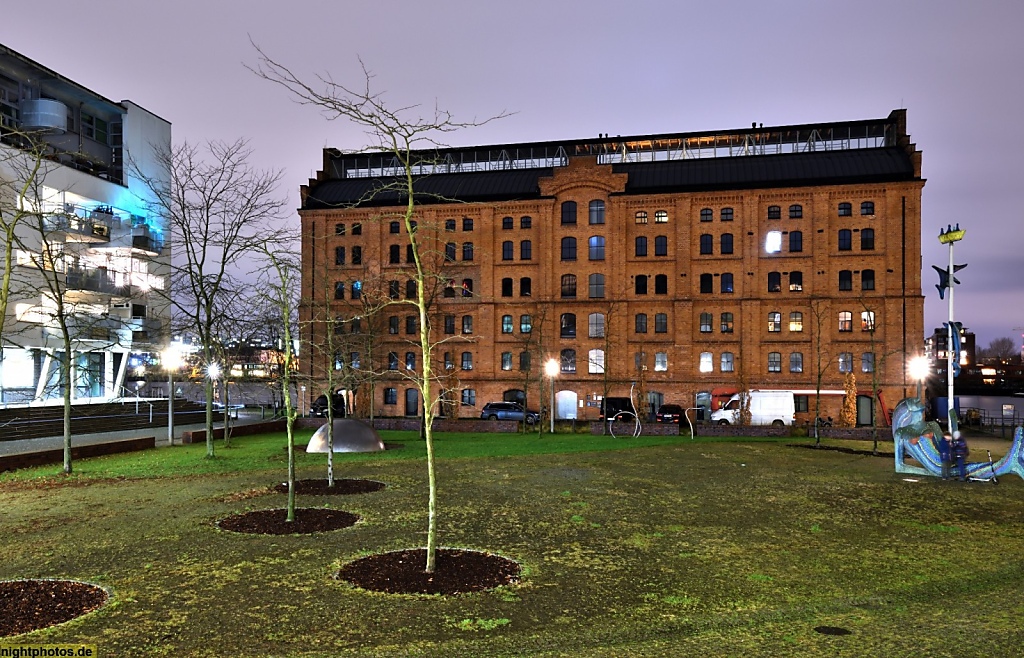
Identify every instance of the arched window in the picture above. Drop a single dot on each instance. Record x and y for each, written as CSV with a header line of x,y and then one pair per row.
x,y
707,282
568,360
506,324
525,286
596,286
845,321
727,282
568,248
706,320
660,245
525,324
467,251
660,284
339,290
449,252
507,250
774,321
867,279
661,323
506,287
707,215
597,211
774,212
526,250
796,362
507,223
726,214
596,247
661,217
796,241
640,323
640,284
410,289
867,239
774,282
568,212
640,246
796,321
867,208
467,324
773,242
467,287
410,257
640,217
727,323
774,361
845,239
845,280
568,286
596,325
526,222
796,211
796,281
728,362
707,244
726,243
394,254
467,360
845,209
595,362
567,324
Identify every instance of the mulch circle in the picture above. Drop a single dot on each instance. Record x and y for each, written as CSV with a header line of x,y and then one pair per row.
x,y
456,571
273,521
342,487
29,605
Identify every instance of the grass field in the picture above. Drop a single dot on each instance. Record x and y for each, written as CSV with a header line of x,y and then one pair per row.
x,y
659,546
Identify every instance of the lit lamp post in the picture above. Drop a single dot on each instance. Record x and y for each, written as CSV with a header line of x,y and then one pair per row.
x,y
918,367
551,369
172,361
213,372
950,236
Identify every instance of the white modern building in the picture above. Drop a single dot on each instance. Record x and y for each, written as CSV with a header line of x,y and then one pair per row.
x,y
81,235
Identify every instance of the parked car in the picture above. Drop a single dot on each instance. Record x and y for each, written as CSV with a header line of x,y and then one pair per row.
x,y
508,411
319,407
669,413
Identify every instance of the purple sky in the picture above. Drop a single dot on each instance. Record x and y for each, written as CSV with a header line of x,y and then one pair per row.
x,y
576,69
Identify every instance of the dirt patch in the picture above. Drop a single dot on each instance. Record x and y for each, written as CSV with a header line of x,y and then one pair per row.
x,y
844,450
456,571
342,487
274,521
28,605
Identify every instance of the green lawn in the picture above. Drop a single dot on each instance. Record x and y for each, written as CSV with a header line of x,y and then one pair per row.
x,y
659,546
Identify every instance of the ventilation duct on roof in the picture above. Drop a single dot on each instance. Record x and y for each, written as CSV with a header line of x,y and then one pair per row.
x,y
44,114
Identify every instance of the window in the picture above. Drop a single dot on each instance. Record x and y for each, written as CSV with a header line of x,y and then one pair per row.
x,y
774,361
506,324
526,222
467,287
357,251
596,247
796,321
867,239
774,212
641,217
449,324
596,285
467,324
707,362
640,284
660,361
800,403
728,362
845,239
706,283
394,227
706,215
449,290
640,360
449,225
410,360
726,243
707,244
357,290
568,248
867,208
524,361
507,250
660,284
506,360
727,282
357,325
774,282
394,289
640,248
525,324
706,319
394,254
392,360
506,287
467,251
845,209
661,323
467,360
640,323
727,322
773,242
507,223
339,229
661,217
845,321
393,324
597,212
867,321
796,211
595,362
596,324
867,279
339,290
796,241
526,250
410,324
726,214
525,286
568,361
661,245
357,229
469,397
846,362
567,324
410,289
568,286
568,212
449,252
845,280
796,281
774,321
339,255
867,362
467,224
448,363
412,225
796,362
390,396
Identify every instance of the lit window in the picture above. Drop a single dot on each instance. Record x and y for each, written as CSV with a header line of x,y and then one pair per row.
x,y
467,287
774,362
796,362
846,362
467,360
525,324
595,247
705,322
506,324
568,286
506,360
796,321
707,362
796,211
595,362
641,217
728,362
596,212
660,361
595,283
357,290
640,246
867,321
774,321
796,281
596,325
727,321
845,280
467,324
845,321
774,212
773,242
661,217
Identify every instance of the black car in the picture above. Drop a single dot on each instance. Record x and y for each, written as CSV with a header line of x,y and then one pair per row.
x,y
669,413
508,411
319,407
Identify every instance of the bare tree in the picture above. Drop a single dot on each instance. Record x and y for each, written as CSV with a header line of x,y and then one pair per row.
x,y
1002,349
220,210
823,357
400,133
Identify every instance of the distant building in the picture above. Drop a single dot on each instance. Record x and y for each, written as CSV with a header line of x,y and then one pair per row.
x,y
690,264
89,223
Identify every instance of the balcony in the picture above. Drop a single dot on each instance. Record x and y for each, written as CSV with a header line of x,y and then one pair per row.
x,y
94,227
143,241
98,280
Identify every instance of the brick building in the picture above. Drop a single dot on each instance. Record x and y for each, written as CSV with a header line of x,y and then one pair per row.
x,y
691,265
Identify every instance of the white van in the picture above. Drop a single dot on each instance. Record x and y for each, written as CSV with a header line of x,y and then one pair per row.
x,y
766,408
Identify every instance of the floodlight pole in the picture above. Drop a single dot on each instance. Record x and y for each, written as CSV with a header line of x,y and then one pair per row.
x,y
950,237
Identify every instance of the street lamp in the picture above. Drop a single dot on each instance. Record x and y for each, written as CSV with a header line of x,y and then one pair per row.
x,y
919,367
172,361
551,368
950,237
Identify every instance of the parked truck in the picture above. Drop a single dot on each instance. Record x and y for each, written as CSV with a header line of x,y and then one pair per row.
x,y
766,408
